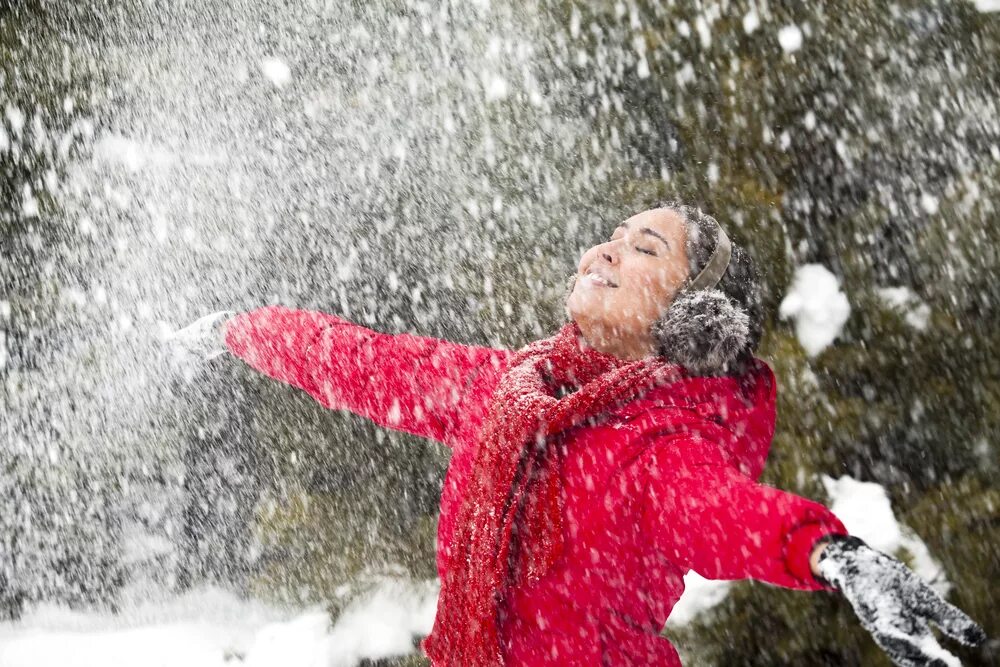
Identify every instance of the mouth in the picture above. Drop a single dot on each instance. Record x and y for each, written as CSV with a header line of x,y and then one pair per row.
x,y
598,280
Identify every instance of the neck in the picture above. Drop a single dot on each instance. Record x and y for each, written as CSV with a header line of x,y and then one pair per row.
x,y
615,343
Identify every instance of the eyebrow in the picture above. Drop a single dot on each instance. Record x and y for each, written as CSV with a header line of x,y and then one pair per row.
x,y
647,230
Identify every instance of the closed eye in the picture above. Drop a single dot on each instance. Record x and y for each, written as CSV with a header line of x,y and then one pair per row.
x,y
647,251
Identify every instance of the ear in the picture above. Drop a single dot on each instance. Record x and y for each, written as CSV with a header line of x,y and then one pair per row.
x,y
703,331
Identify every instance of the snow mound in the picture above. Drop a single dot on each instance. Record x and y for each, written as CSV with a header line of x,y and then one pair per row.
x,y
987,6
817,305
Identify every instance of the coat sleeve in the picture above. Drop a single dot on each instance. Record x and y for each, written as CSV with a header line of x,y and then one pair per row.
x,y
704,514
425,386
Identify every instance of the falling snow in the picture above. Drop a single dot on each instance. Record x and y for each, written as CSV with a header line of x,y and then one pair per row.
x,y
439,169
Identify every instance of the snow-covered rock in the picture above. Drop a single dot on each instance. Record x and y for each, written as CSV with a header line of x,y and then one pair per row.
x,y
817,306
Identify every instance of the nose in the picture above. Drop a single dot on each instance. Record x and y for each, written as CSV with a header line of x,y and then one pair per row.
x,y
604,252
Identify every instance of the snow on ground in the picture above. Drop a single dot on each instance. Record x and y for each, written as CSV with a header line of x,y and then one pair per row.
x,y
214,628
817,305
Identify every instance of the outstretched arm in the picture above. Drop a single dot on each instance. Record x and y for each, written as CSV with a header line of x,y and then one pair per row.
x,y
707,515
425,386
703,513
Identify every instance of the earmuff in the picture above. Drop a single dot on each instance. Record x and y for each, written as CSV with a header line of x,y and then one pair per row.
x,y
703,330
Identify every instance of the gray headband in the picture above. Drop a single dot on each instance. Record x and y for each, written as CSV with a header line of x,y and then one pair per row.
x,y
716,266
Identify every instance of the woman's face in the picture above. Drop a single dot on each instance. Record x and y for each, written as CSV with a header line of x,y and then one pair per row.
x,y
624,285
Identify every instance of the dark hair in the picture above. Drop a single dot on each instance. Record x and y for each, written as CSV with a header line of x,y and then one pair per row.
x,y
707,350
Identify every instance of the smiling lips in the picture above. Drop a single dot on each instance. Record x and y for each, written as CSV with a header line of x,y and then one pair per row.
x,y
599,280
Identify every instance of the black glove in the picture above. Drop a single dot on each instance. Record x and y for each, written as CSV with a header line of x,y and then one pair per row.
x,y
894,604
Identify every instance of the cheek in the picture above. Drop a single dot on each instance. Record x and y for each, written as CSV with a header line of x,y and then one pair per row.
x,y
658,284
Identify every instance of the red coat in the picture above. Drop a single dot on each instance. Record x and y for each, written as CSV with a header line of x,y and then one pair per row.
x,y
662,486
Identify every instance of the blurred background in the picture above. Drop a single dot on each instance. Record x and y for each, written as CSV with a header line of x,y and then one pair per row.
x,y
438,168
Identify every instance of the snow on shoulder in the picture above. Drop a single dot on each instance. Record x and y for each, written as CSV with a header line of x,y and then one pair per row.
x,y
817,305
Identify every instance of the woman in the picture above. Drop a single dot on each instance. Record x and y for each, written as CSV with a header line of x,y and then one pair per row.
x,y
591,470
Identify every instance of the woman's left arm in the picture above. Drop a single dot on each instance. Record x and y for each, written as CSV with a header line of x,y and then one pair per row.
x,y
705,514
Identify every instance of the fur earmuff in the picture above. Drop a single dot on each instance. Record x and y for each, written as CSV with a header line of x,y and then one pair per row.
x,y
703,331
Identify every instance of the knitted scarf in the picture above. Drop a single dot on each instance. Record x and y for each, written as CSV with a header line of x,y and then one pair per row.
x,y
509,528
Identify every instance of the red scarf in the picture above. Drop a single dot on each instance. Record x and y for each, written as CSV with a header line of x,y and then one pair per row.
x,y
514,486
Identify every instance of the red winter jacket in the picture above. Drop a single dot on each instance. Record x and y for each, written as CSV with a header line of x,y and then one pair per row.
x,y
662,486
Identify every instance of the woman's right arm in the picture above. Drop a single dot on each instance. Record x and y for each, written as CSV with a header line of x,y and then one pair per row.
x,y
425,386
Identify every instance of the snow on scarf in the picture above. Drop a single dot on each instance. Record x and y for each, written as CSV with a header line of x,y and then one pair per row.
x,y
514,487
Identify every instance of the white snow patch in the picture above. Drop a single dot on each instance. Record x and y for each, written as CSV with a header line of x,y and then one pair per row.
x,y
865,509
276,71
16,119
132,154
915,312
817,305
214,628
685,74
574,22
495,86
929,203
704,31
642,68
700,594
383,624
751,21
790,38
29,207
987,6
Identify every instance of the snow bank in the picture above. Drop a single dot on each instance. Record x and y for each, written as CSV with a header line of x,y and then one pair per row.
x,y
817,305
213,628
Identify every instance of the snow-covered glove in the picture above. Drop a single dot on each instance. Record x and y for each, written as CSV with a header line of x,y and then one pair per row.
x,y
201,340
894,604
